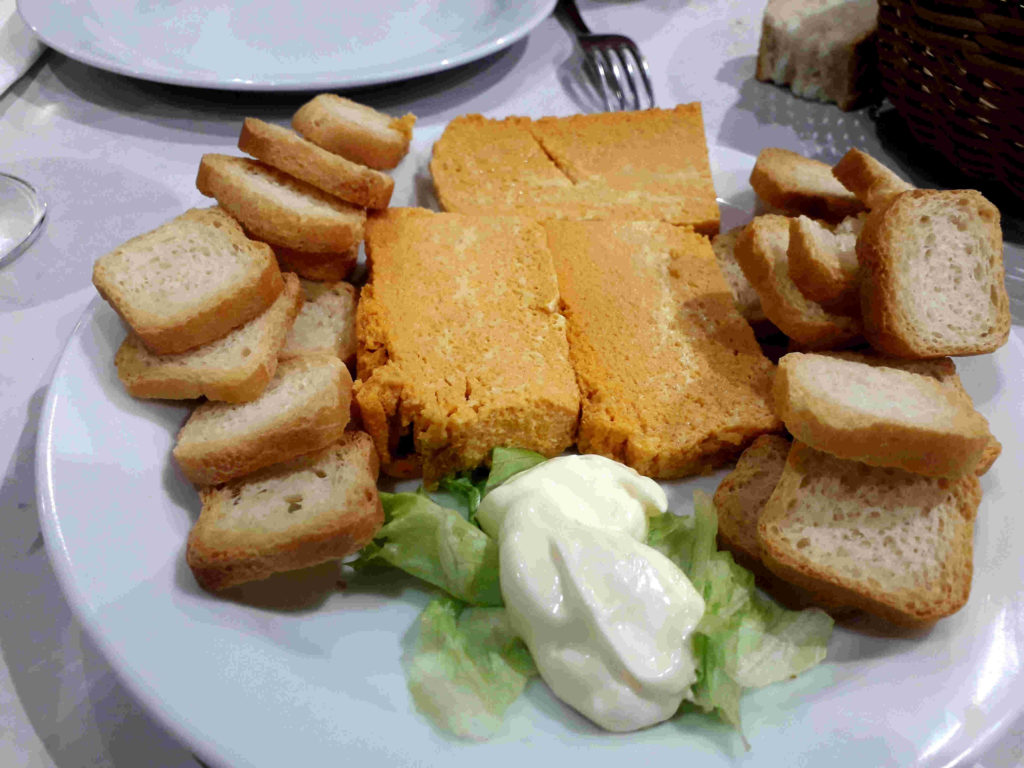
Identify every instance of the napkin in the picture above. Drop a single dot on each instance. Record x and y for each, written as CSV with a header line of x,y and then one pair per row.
x,y
19,48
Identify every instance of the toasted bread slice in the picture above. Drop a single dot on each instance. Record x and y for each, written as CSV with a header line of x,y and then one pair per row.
x,y
305,407
794,185
278,208
355,131
321,506
883,412
189,281
822,49
672,380
321,267
289,152
326,324
762,252
748,302
873,183
932,275
892,543
823,261
234,369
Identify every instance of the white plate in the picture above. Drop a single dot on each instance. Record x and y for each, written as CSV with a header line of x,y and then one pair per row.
x,y
297,671
264,45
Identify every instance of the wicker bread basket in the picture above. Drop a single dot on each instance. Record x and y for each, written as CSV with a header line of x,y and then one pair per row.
x,y
954,69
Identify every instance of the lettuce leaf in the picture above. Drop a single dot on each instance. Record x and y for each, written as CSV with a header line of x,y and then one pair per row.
x,y
506,462
743,640
437,545
467,668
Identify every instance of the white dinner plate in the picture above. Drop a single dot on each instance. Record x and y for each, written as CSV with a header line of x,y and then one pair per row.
x,y
263,45
304,670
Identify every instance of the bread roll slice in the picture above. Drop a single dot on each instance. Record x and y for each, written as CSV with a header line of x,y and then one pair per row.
x,y
280,209
289,152
321,267
355,131
892,543
762,252
235,368
326,324
823,261
305,407
932,275
882,412
794,185
319,507
189,281
745,297
874,184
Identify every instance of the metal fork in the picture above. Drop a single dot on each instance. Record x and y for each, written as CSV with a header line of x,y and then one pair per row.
x,y
614,64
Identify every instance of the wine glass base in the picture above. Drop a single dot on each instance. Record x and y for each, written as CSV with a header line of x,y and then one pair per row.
x,y
22,211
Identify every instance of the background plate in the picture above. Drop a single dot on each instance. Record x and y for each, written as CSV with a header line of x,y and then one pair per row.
x,y
265,45
298,670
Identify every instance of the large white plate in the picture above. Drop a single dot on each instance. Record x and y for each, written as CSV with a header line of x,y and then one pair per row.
x,y
299,671
265,45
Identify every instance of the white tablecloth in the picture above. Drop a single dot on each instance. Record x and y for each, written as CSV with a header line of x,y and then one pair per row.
x,y
116,157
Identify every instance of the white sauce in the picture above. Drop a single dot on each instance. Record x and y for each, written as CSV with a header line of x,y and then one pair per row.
x,y
607,618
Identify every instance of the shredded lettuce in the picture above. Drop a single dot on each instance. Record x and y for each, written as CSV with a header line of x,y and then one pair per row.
x,y
468,667
437,545
744,640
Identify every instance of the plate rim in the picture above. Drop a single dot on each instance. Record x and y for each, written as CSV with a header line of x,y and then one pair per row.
x,y
499,42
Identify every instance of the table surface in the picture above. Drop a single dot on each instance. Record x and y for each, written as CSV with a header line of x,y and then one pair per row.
x,y
116,157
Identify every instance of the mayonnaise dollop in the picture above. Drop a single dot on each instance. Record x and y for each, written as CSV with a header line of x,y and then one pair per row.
x,y
607,618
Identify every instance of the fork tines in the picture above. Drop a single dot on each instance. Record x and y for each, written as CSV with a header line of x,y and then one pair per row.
x,y
618,71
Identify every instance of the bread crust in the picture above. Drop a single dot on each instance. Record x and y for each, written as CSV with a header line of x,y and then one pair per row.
x,y
221,442
840,404
933,281
224,551
165,329
280,209
321,267
892,543
355,131
796,185
872,183
289,152
235,368
820,266
762,253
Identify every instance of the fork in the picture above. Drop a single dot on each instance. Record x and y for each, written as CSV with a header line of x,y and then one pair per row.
x,y
613,63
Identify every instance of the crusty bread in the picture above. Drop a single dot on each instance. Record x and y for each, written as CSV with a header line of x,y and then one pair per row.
x,y
872,183
823,261
745,297
893,543
235,368
821,49
305,407
321,506
650,165
355,131
460,343
322,267
672,380
278,208
932,276
289,152
189,281
794,185
762,253
741,496
326,324
882,412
